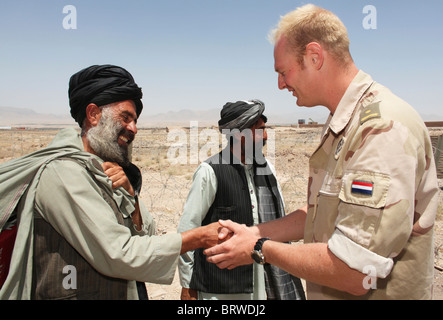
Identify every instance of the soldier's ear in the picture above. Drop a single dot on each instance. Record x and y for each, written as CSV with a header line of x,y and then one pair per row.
x,y
315,55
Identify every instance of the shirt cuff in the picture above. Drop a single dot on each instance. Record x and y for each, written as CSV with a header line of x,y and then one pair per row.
x,y
357,257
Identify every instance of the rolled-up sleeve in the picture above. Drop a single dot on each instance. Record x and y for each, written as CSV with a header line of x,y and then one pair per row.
x,y
199,200
357,257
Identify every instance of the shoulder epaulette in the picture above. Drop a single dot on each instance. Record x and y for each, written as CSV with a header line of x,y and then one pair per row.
x,y
370,112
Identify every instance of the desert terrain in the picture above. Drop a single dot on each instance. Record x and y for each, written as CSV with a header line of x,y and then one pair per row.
x,y
168,163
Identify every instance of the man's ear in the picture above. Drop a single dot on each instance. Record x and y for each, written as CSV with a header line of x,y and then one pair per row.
x,y
314,55
93,114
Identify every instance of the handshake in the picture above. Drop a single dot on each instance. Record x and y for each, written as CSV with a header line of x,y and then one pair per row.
x,y
228,244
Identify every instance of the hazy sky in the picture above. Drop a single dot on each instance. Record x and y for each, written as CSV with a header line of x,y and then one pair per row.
x,y
199,54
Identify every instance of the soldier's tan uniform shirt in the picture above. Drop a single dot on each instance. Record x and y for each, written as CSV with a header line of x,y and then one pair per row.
x,y
372,194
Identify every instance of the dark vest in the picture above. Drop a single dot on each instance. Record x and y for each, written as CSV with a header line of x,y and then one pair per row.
x,y
52,253
233,202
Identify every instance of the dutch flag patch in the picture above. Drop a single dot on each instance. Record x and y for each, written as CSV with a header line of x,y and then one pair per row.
x,y
362,187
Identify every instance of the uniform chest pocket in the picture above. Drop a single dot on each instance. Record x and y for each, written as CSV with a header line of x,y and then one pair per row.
x,y
325,215
363,198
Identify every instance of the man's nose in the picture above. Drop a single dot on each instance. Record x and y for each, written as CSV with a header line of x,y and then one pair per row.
x,y
281,82
132,126
265,135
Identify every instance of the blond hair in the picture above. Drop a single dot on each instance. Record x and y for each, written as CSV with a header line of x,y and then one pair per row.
x,y
313,24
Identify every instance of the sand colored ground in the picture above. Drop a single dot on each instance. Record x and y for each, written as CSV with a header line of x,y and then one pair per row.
x,y
166,183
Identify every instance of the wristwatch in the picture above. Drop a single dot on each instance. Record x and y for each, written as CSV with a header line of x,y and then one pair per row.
x,y
256,254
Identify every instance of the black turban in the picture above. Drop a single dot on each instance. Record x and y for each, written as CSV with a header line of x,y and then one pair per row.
x,y
241,114
101,85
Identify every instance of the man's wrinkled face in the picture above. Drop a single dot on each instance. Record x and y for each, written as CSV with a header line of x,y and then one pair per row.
x,y
111,138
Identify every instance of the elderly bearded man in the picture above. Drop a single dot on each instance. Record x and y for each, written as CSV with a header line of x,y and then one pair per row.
x,y
76,206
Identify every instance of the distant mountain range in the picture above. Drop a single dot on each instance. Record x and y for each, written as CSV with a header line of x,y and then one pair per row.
x,y
16,117
180,118
22,117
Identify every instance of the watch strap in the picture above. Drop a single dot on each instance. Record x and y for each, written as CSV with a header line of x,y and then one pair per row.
x,y
259,244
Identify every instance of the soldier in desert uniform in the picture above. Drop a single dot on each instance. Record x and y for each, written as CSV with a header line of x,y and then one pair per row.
x,y
372,189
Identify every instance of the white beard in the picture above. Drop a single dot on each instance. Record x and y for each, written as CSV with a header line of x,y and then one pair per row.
x,y
103,139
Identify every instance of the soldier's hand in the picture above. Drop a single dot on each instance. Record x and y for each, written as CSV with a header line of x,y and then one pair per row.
x,y
237,250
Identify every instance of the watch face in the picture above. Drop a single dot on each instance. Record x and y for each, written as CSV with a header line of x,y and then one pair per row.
x,y
258,257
